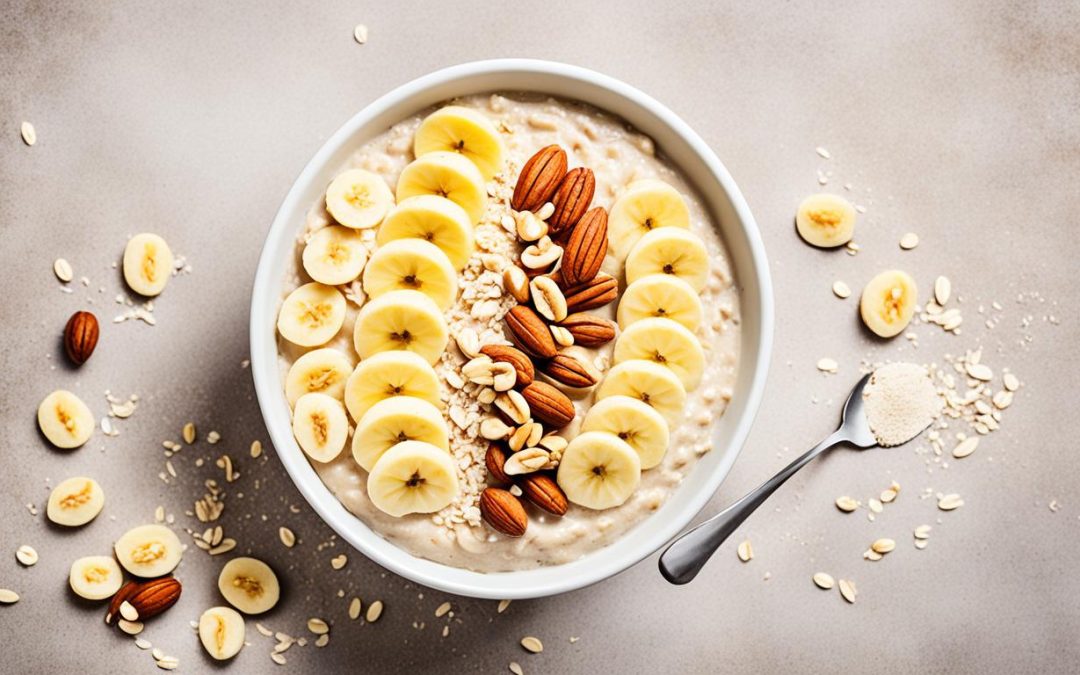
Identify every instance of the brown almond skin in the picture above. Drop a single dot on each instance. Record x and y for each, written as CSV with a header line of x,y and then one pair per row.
x,y
549,405
542,490
585,249
502,511
539,179
567,370
495,460
118,598
529,332
572,199
589,330
523,365
154,597
81,336
597,292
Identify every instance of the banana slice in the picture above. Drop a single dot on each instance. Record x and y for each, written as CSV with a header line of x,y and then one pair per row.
x,y
221,631
635,422
359,199
413,477
888,303
825,220
649,382
95,577
75,501
660,295
446,174
405,320
65,420
599,470
322,371
396,373
666,342
334,255
394,420
465,131
414,264
149,550
645,206
249,585
320,426
312,315
669,250
431,218
148,264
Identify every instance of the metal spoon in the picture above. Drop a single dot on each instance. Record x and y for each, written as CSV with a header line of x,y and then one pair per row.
x,y
685,557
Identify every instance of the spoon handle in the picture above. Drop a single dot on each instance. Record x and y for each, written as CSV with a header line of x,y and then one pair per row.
x,y
685,557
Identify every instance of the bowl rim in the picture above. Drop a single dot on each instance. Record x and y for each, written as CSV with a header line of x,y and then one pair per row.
x,y
267,380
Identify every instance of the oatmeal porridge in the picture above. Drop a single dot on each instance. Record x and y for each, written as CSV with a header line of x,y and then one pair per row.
x,y
506,332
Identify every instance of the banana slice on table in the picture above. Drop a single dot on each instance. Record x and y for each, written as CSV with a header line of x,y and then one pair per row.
x,y
660,295
888,303
396,373
249,585
65,420
95,577
311,315
148,264
669,250
75,501
825,220
666,342
431,218
649,382
413,477
321,371
393,420
599,470
464,131
320,426
359,199
446,174
334,255
633,421
401,320
645,206
221,631
412,264
149,550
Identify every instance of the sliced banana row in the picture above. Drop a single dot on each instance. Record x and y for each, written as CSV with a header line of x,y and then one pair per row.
x,y
401,320
386,374
394,420
645,206
320,371
413,477
311,315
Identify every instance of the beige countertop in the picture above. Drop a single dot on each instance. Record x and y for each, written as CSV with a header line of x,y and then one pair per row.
x,y
956,121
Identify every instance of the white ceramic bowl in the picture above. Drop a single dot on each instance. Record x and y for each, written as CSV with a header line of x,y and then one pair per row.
x,y
681,146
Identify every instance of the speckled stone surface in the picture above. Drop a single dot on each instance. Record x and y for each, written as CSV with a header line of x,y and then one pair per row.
x,y
957,121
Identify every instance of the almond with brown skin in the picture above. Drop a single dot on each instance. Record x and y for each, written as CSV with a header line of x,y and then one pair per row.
x,y
494,460
118,598
589,330
539,179
572,199
502,511
597,292
571,371
523,365
585,249
542,490
81,336
548,405
529,332
154,597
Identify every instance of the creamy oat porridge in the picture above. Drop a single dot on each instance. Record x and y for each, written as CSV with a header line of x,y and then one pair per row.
x,y
472,360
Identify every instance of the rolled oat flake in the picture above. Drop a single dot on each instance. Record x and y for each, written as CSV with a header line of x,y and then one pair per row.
x,y
900,401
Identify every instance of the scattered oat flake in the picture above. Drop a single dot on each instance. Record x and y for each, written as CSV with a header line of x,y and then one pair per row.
x,y
62,270
965,447
745,551
950,502
532,644
841,290
278,658
442,609
8,596
143,643
875,505
846,504
188,433
266,632
848,590
374,611
213,437
883,545
922,532
827,365
822,152
339,561
1011,382
823,581
287,537
360,33
516,669
256,449
322,640
29,134
354,608
942,290
26,555
909,241
503,604
317,626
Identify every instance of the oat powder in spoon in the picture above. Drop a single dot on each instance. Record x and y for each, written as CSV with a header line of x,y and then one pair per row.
x,y
900,401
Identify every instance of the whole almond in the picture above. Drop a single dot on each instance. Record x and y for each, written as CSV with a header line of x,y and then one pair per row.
x,y
539,179
597,292
542,490
523,365
572,199
529,332
495,460
147,598
502,511
571,371
81,336
516,283
585,249
548,404
589,330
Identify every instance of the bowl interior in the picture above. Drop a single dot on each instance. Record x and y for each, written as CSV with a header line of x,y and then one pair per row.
x,y
685,150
